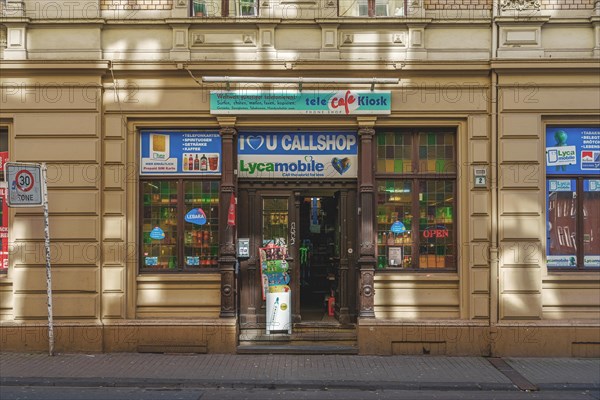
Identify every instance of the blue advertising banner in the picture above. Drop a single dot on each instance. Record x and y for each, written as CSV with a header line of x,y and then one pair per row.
x,y
572,150
324,102
297,154
180,153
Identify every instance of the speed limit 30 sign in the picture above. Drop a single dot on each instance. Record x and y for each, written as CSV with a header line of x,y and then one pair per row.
x,y
24,183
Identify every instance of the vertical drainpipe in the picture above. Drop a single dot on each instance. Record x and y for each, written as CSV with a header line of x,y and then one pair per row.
x,y
494,184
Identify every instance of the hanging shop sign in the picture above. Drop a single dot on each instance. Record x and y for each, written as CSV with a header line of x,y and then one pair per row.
x,y
323,102
297,155
180,153
572,150
436,232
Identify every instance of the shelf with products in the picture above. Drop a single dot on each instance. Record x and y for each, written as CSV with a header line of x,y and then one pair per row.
x,y
159,256
394,250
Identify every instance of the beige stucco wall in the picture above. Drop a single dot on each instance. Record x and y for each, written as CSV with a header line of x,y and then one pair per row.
x,y
58,79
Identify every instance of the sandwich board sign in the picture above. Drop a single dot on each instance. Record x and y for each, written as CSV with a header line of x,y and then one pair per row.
x,y
24,183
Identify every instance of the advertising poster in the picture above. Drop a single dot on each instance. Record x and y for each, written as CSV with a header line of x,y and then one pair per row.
x,y
570,153
3,231
316,102
297,155
180,153
275,281
572,150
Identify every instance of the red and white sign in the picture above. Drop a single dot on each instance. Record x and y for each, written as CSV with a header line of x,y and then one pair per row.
x,y
24,184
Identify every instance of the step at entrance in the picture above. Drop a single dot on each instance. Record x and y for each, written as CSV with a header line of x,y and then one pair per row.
x,y
306,338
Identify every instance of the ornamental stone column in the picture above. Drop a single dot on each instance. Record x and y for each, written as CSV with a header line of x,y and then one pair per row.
x,y
366,260
227,233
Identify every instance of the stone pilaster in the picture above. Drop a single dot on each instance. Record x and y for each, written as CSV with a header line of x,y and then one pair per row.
x,y
227,233
366,259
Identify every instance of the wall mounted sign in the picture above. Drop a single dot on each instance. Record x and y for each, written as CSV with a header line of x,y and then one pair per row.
x,y
180,153
297,155
318,102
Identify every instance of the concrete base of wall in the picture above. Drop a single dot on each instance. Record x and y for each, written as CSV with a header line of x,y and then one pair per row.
x,y
456,338
199,336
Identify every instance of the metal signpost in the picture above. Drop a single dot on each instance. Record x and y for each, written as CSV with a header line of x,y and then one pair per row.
x,y
27,187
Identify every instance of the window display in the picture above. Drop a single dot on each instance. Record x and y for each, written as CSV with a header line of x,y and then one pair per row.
x,y
573,198
415,200
180,200
179,224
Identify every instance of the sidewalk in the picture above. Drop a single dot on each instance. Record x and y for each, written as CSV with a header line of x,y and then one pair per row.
x,y
307,371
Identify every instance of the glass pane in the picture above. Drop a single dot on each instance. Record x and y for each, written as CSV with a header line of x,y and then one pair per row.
x,y
275,221
561,225
248,8
436,224
394,152
394,222
201,226
159,225
360,8
591,223
437,152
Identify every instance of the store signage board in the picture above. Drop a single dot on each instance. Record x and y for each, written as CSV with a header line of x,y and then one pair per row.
x,y
180,153
572,150
24,183
293,155
313,102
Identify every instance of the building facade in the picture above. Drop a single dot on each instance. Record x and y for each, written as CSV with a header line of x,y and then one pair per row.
x,y
458,218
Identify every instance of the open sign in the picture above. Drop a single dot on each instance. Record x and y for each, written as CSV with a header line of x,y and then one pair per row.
x,y
436,232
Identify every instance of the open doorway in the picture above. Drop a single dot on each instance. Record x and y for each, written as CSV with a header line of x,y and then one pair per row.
x,y
319,257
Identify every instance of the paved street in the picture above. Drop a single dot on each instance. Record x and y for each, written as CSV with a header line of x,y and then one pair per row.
x,y
169,376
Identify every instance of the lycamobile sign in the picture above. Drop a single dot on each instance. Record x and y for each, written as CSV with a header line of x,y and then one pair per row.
x,y
323,102
297,155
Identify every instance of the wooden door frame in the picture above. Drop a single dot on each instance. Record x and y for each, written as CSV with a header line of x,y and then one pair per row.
x,y
251,195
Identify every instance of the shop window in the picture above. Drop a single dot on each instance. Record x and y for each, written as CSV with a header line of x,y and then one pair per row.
x,y
179,205
372,8
179,224
416,191
3,205
224,8
573,185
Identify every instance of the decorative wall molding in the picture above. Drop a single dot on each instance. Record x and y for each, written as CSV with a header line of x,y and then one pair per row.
x,y
520,5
